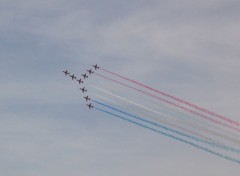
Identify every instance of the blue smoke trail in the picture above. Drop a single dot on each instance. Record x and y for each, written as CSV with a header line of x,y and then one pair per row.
x,y
227,148
174,137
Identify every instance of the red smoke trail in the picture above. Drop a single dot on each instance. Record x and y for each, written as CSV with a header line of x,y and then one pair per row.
x,y
171,103
175,98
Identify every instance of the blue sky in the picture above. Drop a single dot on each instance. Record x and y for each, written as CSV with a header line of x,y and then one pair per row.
x,y
187,48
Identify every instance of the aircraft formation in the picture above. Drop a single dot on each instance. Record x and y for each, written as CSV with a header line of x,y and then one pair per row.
x,y
160,112
81,81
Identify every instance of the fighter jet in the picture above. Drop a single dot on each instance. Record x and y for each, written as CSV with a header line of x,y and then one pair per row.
x,y
90,105
90,71
72,76
95,67
83,89
80,81
85,76
87,98
66,72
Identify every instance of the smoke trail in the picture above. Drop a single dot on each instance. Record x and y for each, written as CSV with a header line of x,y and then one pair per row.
x,y
175,98
161,114
106,99
136,104
131,102
172,136
170,124
171,103
169,129
220,135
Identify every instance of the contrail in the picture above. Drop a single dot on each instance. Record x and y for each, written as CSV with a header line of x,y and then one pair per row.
x,y
169,129
175,98
172,136
165,115
171,103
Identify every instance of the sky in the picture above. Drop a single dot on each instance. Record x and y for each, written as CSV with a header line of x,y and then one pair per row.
x,y
186,48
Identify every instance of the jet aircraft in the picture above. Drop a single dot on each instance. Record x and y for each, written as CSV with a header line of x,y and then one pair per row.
x,y
83,89
90,71
66,72
95,67
90,105
80,81
87,98
85,76
72,76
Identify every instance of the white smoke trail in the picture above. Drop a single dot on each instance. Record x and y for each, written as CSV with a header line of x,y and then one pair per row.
x,y
170,117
